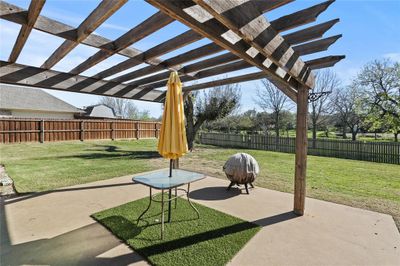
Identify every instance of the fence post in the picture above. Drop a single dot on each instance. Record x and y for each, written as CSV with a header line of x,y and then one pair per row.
x,y
155,131
137,130
41,131
112,131
82,131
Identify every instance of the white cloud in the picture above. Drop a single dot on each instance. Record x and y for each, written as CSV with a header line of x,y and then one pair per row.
x,y
393,56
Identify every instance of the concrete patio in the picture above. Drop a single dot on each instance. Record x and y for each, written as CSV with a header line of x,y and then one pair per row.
x,y
56,228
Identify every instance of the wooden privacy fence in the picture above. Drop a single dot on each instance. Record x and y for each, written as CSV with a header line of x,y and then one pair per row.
x,y
382,152
42,130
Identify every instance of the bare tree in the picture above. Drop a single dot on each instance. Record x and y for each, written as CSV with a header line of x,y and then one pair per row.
x,y
345,102
214,104
122,107
271,99
326,83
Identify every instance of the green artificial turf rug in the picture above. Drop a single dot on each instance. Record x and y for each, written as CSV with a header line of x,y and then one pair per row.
x,y
213,239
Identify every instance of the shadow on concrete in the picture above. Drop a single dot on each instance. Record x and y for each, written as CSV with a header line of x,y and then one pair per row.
x,y
82,246
214,193
276,218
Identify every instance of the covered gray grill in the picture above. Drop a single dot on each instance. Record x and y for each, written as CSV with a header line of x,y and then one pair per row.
x,y
241,168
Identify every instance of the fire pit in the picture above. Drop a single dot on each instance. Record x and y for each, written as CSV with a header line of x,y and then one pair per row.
x,y
241,168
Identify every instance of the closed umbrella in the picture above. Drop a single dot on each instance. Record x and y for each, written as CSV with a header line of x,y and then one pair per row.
x,y
172,143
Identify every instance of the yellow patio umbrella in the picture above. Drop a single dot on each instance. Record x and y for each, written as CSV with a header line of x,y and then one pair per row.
x,y
172,143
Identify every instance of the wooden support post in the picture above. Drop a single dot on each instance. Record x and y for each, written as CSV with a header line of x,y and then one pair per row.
x,y
41,131
301,151
82,131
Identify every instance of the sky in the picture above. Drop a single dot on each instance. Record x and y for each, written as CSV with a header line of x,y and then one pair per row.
x,y
370,28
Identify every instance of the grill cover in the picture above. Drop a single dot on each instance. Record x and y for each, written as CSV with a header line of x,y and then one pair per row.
x,y
241,168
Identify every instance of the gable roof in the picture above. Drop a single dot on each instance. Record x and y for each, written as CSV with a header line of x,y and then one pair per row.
x,y
25,98
89,111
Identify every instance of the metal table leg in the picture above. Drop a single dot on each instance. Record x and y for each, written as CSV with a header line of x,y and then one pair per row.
x,y
148,207
162,214
176,197
191,204
169,205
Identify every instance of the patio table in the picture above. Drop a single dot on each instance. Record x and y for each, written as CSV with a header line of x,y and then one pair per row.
x,y
161,180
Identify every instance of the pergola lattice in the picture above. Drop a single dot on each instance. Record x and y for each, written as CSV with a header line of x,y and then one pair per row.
x,y
237,26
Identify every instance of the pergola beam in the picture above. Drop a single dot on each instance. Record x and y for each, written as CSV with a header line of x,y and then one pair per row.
x,y
147,27
33,13
310,33
301,17
103,11
226,81
202,51
300,36
211,28
316,46
13,73
181,40
246,21
323,62
177,42
18,15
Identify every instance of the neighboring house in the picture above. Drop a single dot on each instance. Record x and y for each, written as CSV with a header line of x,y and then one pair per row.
x,y
26,102
99,111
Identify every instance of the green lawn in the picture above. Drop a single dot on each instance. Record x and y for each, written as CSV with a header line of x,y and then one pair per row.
x,y
40,167
186,238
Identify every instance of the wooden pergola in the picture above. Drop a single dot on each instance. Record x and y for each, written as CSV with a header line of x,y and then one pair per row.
x,y
238,27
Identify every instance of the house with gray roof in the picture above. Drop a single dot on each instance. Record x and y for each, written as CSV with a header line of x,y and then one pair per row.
x,y
26,102
99,111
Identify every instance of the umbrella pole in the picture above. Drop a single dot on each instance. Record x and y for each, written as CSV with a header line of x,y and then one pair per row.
x,y
170,168
169,192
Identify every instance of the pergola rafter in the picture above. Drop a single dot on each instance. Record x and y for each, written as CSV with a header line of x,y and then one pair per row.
x,y
238,26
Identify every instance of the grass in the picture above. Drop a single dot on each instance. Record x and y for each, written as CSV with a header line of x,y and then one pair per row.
x,y
40,167
211,240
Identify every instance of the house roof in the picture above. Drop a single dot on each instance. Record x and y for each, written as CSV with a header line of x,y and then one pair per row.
x,y
99,112
25,98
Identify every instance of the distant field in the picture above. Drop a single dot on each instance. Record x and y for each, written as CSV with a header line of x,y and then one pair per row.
x,y
40,167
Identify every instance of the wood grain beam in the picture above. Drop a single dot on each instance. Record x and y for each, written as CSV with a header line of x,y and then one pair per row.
x,y
248,22
310,33
226,81
175,43
301,17
33,13
102,12
202,51
323,62
316,46
147,27
18,74
215,61
18,15
212,29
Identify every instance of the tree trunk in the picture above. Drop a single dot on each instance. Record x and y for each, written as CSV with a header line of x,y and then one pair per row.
x,y
353,135
190,132
344,133
314,133
396,139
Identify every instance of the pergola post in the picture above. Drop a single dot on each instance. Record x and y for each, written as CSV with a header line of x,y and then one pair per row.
x,y
301,151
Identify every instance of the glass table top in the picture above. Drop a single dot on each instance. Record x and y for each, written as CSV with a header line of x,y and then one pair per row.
x,y
161,180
